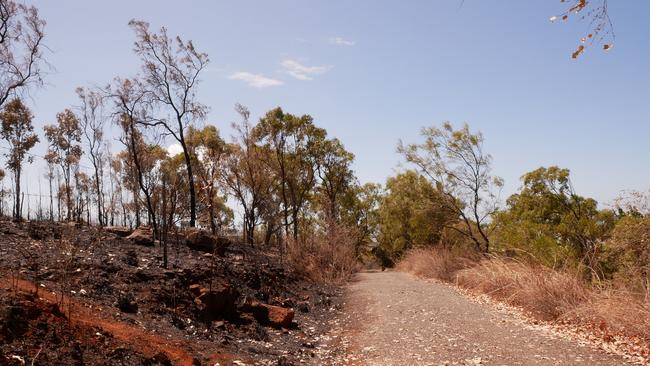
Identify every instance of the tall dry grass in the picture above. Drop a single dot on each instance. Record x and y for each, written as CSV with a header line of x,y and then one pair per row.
x,y
328,257
548,294
442,264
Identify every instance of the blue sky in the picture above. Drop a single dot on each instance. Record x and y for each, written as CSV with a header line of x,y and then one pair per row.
x,y
374,71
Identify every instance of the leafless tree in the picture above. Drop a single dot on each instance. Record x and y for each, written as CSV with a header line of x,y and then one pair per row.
x,y
21,48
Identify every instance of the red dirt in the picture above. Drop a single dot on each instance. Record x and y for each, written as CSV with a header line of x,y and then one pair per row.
x,y
146,343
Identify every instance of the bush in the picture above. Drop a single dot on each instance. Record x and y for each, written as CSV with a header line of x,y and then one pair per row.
x,y
327,257
627,254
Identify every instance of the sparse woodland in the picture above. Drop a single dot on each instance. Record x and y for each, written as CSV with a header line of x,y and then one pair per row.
x,y
283,185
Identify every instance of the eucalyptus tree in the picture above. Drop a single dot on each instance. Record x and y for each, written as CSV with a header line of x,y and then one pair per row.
x,y
247,176
18,132
92,123
208,152
455,163
335,173
293,143
64,139
131,108
170,76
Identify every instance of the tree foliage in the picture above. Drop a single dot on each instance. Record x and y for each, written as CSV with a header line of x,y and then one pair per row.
x,y
413,213
627,254
64,139
549,221
18,132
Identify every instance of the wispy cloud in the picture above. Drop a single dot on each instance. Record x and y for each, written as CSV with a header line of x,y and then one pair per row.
x,y
255,80
342,41
302,72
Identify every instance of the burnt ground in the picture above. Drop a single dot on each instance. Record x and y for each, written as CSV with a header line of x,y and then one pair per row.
x,y
73,295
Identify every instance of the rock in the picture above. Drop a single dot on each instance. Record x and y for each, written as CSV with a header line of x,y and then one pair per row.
x,y
279,316
159,359
303,306
216,303
204,241
120,231
271,315
127,304
142,236
196,289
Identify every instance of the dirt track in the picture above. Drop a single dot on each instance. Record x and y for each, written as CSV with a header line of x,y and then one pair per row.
x,y
397,319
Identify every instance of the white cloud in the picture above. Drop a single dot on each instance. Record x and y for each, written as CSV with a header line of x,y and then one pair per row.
x,y
342,41
255,80
174,149
302,72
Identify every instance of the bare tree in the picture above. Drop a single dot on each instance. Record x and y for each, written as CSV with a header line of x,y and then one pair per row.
x,y
171,70
92,125
21,48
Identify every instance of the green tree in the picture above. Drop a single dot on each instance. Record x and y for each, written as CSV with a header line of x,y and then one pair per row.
x,y
455,163
208,151
359,208
249,178
65,150
335,173
18,131
550,221
413,213
293,142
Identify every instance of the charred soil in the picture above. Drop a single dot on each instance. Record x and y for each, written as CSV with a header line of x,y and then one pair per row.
x,y
75,295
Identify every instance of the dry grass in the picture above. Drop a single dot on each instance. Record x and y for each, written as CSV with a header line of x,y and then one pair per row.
x,y
615,312
327,258
434,263
546,293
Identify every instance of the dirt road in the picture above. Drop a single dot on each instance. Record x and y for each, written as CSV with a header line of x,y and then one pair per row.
x,y
393,318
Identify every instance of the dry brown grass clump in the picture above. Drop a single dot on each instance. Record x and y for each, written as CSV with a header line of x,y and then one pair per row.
x,y
326,258
547,293
615,312
434,263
